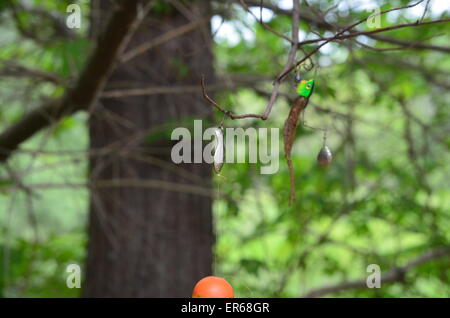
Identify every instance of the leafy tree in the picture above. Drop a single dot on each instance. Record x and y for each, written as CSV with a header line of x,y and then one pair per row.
x,y
86,175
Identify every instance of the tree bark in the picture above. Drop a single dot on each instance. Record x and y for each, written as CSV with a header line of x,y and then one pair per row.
x,y
150,242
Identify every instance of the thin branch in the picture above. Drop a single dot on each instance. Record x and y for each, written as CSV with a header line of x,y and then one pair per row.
x,y
12,69
408,44
222,110
140,49
137,183
58,22
86,90
389,28
264,25
277,83
336,36
396,274
290,65
425,10
31,31
323,24
183,89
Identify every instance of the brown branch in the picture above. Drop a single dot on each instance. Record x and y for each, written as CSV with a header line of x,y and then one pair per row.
x,y
12,69
224,83
290,66
417,45
222,110
323,24
58,22
428,74
277,82
264,25
140,49
340,33
31,31
396,274
86,90
432,75
389,28
137,183
345,209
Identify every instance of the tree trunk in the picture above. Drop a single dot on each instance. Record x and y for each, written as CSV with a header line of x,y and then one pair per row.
x,y
149,241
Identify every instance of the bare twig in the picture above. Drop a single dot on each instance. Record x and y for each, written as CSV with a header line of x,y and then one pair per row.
x,y
138,183
235,82
58,22
140,49
321,23
222,110
30,32
13,69
425,10
264,25
277,83
341,36
88,86
396,274
336,36
290,65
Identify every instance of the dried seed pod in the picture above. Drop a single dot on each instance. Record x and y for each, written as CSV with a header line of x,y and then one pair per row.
x,y
218,150
324,157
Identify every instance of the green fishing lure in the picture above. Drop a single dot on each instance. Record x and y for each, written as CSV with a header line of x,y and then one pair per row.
x,y
305,88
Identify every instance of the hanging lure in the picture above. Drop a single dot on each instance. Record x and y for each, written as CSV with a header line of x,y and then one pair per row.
x,y
304,90
218,158
325,156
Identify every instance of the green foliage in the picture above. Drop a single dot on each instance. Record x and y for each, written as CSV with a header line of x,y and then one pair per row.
x,y
376,203
369,206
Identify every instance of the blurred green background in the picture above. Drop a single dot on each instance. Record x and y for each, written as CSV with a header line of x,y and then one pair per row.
x,y
384,200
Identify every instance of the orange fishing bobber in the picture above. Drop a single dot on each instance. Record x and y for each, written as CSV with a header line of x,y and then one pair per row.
x,y
212,287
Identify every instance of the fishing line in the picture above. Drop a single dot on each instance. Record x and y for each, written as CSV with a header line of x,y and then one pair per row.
x,y
218,161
